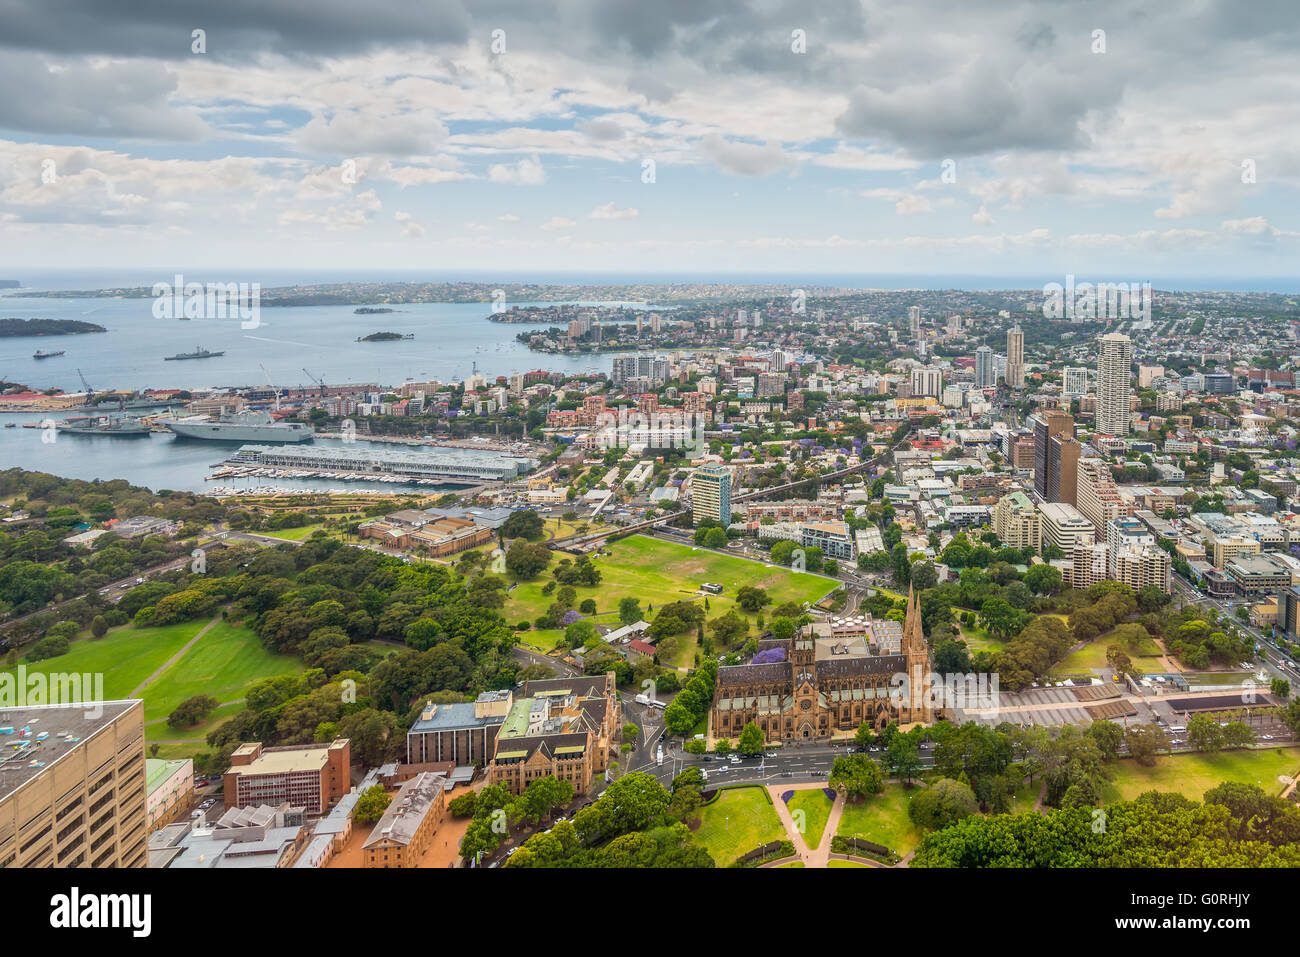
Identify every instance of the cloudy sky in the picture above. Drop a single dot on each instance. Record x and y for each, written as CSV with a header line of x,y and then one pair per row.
x,y
998,137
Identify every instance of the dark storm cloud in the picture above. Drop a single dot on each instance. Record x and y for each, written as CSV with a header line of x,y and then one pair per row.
x,y
124,100
235,28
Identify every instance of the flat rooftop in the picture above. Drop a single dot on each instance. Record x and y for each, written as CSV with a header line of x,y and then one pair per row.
x,y
283,762
33,738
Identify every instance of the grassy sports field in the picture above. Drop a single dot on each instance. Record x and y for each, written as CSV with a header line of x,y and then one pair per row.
x,y
1193,774
657,572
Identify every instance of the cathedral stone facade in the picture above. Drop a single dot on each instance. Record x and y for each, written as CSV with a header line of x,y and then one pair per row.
x,y
828,684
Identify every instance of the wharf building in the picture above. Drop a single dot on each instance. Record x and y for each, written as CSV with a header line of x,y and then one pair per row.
x,y
445,465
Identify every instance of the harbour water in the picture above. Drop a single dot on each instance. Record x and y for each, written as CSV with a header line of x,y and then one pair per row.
x,y
158,461
449,339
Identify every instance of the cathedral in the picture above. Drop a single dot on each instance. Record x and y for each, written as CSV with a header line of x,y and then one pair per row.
x,y
827,680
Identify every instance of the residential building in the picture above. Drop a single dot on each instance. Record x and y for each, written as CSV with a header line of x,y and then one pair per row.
x,y
1065,526
1098,497
1114,385
711,494
927,381
1016,521
1016,357
833,538
1074,382
985,369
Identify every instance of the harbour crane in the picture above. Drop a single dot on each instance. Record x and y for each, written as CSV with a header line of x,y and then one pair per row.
x,y
319,382
90,393
272,385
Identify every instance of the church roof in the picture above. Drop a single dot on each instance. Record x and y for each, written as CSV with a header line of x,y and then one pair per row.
x,y
733,675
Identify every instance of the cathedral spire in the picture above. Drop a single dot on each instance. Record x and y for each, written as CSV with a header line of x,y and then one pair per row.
x,y
913,634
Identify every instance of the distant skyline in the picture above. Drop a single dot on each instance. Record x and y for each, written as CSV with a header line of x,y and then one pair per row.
x,y
925,139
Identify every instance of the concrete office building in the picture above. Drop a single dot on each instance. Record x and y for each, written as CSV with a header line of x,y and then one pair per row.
x,y
311,777
72,786
464,732
1114,383
1051,458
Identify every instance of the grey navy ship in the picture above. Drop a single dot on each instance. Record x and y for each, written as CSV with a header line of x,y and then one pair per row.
x,y
247,426
198,353
116,426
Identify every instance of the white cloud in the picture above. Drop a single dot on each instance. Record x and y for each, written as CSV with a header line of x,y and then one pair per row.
x,y
526,172
745,159
610,211
410,227
558,222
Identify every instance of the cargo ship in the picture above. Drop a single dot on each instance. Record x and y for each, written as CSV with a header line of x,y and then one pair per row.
x,y
198,353
42,354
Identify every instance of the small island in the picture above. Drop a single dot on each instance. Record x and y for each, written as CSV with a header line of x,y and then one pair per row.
x,y
371,311
12,327
384,336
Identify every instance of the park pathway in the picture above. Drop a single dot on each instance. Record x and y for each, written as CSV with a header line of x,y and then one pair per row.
x,y
135,692
820,855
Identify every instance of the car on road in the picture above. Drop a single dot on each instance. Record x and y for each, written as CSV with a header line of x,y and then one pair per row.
x,y
511,852
139,581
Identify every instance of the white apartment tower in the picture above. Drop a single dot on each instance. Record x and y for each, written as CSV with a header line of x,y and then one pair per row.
x,y
1015,357
1114,374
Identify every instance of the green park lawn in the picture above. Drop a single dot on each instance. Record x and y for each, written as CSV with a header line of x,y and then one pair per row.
x,y
839,863
126,656
192,738
657,572
223,663
882,818
791,864
1026,796
737,822
1193,774
816,808
293,534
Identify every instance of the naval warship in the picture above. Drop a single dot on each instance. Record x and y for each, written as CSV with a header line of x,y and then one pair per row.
x,y
247,426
